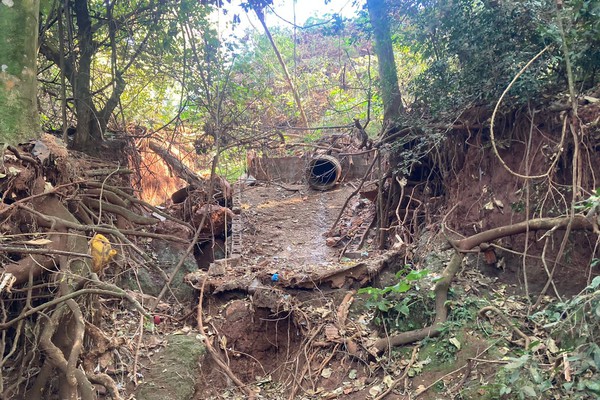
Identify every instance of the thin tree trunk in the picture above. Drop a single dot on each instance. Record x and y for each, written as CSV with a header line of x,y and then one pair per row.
x,y
86,111
261,17
388,76
18,71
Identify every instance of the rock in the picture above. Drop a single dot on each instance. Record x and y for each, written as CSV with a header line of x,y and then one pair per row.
x,y
332,241
151,281
231,262
216,269
173,370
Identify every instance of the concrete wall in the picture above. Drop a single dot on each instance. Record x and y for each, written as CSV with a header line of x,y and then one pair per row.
x,y
293,169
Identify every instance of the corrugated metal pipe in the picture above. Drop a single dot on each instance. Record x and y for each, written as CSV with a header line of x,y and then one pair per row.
x,y
323,172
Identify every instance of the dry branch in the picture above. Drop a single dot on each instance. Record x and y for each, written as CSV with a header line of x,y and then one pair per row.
x,y
124,212
182,171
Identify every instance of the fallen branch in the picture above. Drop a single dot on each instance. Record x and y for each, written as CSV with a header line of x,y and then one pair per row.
x,y
124,212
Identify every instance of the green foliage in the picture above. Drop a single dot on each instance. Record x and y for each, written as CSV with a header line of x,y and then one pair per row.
x,y
522,378
473,48
444,348
402,306
592,203
575,325
525,377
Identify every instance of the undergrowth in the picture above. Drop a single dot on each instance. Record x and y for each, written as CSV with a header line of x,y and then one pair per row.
x,y
561,362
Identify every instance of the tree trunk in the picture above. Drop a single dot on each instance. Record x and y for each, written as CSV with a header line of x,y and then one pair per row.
x,y
89,130
18,71
388,76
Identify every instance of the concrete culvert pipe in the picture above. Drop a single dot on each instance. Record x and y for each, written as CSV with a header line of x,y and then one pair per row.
x,y
323,172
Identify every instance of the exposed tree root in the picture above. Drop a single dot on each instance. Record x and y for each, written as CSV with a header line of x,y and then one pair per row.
x,y
441,311
578,222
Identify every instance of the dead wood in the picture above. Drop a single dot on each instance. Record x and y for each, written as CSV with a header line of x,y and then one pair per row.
x,y
173,162
122,211
129,199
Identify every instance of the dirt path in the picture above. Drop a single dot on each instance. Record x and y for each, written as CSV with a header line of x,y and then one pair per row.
x,y
284,230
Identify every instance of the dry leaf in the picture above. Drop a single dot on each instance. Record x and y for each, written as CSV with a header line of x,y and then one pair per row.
x,y
331,332
420,389
455,342
352,347
38,242
375,390
567,367
388,380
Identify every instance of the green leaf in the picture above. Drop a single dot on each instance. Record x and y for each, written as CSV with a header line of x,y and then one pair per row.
x,y
402,309
529,391
402,287
535,375
593,386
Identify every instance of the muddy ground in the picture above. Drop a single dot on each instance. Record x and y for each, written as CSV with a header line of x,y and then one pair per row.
x,y
285,230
